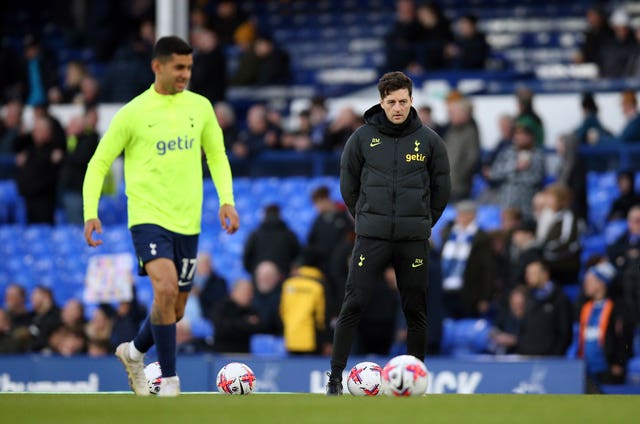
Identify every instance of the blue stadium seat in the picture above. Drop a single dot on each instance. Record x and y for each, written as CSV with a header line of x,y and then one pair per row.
x,y
267,345
465,336
572,291
202,328
602,189
592,245
614,230
633,371
572,350
448,215
489,217
478,185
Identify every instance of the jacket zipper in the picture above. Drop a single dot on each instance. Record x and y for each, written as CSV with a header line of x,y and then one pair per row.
x,y
393,193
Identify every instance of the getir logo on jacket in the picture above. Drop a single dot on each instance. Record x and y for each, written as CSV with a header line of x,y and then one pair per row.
x,y
420,157
180,143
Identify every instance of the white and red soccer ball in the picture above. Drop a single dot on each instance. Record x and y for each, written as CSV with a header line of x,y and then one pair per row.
x,y
365,379
236,378
405,375
153,373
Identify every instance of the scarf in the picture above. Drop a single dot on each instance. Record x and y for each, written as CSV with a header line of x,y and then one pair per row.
x,y
455,253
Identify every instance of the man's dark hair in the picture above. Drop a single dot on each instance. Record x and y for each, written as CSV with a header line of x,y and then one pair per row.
x,y
272,211
21,289
543,264
321,192
165,47
309,256
46,290
589,103
392,81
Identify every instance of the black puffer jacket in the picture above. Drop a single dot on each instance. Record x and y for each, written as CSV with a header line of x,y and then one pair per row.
x,y
394,178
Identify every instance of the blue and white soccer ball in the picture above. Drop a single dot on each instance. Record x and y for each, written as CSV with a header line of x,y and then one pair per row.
x,y
405,375
153,373
236,378
365,379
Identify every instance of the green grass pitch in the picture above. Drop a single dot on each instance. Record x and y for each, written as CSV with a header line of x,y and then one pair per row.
x,y
309,408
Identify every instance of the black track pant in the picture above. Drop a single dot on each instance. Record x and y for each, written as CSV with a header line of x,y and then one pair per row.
x,y
370,258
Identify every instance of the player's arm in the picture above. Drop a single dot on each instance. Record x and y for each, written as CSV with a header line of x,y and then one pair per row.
x,y
218,163
109,148
350,169
439,179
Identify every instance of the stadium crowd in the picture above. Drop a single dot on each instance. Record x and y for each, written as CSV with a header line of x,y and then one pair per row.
x,y
518,277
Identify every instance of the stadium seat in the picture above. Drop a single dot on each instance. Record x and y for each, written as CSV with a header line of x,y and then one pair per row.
x,y
592,245
613,230
633,370
572,350
267,345
572,291
202,329
465,336
489,217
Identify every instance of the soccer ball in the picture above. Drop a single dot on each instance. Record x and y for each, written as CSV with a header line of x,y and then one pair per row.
x,y
405,375
364,379
153,373
236,378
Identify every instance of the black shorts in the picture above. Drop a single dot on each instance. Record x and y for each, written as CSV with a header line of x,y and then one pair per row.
x,y
152,242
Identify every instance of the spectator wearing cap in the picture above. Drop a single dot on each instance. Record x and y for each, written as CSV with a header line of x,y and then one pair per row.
x,y
631,130
546,327
518,171
468,266
605,334
591,131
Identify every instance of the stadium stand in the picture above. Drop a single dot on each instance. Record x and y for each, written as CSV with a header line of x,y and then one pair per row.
x,y
267,345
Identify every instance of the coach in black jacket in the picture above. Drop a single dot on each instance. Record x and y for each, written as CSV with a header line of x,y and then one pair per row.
x,y
394,178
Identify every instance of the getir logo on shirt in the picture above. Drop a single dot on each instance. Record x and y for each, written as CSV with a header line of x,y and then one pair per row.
x,y
180,143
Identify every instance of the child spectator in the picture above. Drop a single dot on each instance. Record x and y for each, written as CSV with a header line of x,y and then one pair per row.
x,y
605,334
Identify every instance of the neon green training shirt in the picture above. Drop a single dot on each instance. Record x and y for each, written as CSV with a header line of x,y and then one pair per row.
x,y
161,136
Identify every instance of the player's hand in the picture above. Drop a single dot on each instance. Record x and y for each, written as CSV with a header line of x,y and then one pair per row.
x,y
89,227
228,218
